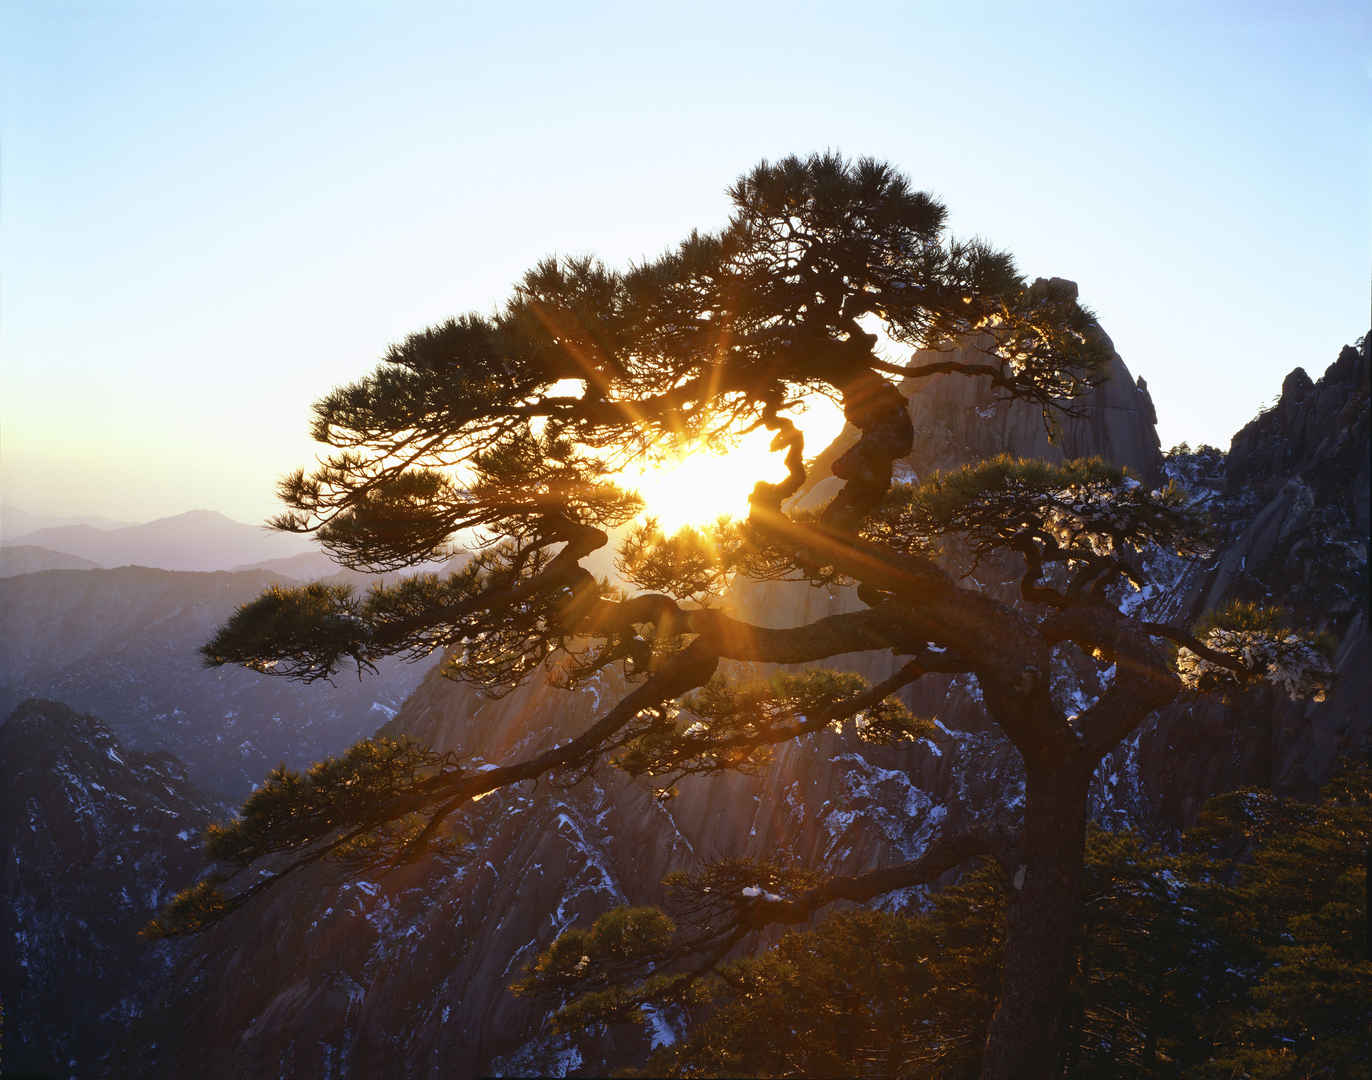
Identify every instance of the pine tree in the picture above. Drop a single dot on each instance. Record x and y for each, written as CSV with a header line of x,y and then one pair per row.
x,y
1297,927
509,431
1243,954
899,995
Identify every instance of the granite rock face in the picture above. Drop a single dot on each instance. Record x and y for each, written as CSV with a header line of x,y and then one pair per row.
x,y
959,420
1292,506
1316,432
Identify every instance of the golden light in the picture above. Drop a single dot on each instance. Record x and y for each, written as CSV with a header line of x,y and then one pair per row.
x,y
696,485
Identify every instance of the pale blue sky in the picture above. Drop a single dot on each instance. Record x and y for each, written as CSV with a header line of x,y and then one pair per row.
x,y
212,213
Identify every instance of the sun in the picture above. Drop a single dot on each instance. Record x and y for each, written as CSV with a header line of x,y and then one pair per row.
x,y
696,485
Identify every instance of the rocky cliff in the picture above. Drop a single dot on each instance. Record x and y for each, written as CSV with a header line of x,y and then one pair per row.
x,y
1291,506
958,420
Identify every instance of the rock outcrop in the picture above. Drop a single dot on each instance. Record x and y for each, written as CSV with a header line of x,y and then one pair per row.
x,y
1317,433
1293,513
959,420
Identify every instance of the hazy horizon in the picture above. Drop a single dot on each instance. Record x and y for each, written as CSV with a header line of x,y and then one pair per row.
x,y
214,215
10,513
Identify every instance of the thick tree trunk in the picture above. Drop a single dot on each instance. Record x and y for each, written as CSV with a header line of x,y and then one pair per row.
x,y
1043,927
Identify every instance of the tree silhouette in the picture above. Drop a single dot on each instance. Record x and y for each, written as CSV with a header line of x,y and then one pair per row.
x,y
504,436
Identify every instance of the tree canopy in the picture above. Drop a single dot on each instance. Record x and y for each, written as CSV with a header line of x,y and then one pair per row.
x,y
502,437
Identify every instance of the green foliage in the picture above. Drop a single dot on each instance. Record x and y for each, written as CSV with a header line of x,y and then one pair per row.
x,y
1245,954
526,478
719,888
862,987
374,516
1258,636
633,956
402,519
593,964
498,628
759,704
733,725
1299,908
821,219
852,985
358,790
628,933
191,910
1239,615
690,564
1079,511
303,632
1144,963
439,378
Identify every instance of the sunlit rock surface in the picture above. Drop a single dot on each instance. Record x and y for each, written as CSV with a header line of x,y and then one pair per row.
x,y
959,419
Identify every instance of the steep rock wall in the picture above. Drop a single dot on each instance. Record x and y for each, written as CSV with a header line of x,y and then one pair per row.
x,y
958,420
1294,515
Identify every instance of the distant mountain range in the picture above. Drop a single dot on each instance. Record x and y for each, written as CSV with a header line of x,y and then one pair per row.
x,y
307,566
122,644
195,540
198,541
15,521
18,559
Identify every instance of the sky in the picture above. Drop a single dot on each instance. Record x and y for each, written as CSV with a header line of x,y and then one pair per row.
x,y
213,213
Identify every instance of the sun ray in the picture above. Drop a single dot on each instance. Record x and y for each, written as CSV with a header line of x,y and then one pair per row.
x,y
694,485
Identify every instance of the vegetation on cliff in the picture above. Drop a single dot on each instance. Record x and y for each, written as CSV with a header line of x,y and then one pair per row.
x,y
1244,953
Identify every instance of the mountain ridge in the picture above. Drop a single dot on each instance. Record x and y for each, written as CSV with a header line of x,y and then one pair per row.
x,y
16,559
196,540
123,644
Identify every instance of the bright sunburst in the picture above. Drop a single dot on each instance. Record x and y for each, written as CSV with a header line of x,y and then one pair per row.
x,y
699,486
